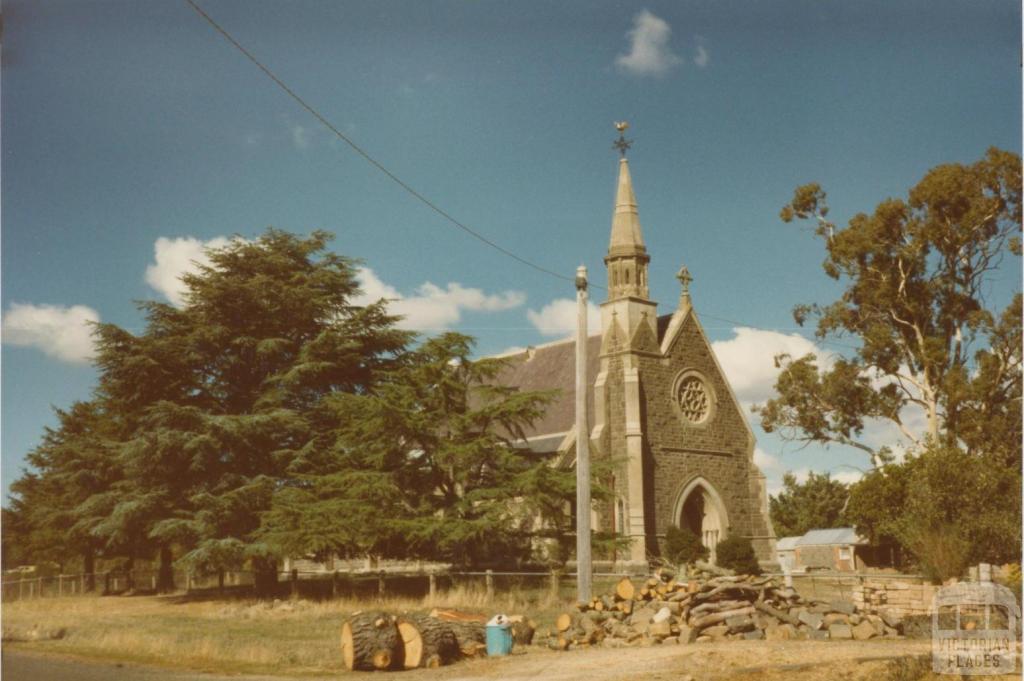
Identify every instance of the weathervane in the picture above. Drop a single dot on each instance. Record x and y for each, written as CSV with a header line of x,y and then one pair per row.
x,y
622,144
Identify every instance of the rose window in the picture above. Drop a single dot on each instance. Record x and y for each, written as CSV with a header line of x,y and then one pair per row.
x,y
693,400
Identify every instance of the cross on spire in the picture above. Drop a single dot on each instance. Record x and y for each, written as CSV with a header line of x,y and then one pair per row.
x,y
622,144
684,277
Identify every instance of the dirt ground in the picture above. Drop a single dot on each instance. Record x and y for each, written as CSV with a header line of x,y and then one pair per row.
x,y
731,660
725,661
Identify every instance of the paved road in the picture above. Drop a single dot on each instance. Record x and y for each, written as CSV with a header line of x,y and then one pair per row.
x,y
25,666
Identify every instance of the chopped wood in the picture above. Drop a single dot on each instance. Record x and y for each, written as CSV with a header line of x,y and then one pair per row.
x,y
716,617
624,589
777,614
563,622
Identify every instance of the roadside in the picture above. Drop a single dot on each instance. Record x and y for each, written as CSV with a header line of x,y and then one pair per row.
x,y
725,661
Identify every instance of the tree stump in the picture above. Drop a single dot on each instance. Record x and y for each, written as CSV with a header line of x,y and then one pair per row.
x,y
427,642
370,641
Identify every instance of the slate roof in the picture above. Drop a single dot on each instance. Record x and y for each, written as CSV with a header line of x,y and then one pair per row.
x,y
553,366
838,535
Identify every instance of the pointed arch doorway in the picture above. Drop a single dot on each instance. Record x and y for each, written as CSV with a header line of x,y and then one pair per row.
x,y
699,508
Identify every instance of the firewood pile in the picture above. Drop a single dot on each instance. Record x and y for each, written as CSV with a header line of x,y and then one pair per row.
x,y
381,641
709,605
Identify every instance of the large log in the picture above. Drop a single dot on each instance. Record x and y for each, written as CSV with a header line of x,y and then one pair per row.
x,y
369,641
427,642
471,636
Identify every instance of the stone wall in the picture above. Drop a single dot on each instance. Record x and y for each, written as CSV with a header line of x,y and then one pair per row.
x,y
718,450
900,597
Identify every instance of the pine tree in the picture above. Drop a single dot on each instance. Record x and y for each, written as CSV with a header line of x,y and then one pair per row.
x,y
426,465
53,505
219,392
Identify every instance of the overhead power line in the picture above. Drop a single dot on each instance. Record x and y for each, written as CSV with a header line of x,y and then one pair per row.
x,y
362,152
401,183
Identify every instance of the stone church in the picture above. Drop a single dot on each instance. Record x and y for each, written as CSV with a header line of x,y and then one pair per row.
x,y
658,404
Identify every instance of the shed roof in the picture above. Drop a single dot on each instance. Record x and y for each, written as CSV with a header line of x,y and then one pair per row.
x,y
836,535
787,543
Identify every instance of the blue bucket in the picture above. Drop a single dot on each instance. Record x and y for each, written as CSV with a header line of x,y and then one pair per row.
x,y
499,639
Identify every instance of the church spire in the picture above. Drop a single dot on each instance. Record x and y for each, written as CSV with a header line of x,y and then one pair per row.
x,y
627,256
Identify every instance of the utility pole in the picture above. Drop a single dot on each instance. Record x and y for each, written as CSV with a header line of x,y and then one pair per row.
x,y
584,568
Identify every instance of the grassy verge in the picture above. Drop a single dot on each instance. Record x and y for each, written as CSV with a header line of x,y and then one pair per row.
x,y
298,638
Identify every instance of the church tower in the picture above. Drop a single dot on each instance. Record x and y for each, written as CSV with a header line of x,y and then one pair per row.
x,y
664,414
628,330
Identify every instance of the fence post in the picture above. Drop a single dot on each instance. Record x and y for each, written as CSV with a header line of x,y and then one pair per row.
x,y
433,586
554,586
21,589
489,584
334,584
381,587
60,585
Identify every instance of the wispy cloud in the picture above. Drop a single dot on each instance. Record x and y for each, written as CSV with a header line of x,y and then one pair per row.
x,y
300,136
431,307
701,57
649,51
61,332
558,318
173,258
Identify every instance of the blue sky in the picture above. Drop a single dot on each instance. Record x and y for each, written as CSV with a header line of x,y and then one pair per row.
x,y
132,133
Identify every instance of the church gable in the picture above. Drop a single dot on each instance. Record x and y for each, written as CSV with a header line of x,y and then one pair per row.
x,y
708,415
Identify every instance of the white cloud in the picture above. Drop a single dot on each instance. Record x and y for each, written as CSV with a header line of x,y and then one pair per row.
x,y
300,136
702,58
847,476
765,461
61,332
649,52
175,257
432,308
558,318
748,360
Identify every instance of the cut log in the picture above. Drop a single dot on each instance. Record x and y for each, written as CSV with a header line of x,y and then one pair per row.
x,y
458,616
777,614
624,589
565,621
713,569
427,642
370,641
716,606
471,636
523,630
716,617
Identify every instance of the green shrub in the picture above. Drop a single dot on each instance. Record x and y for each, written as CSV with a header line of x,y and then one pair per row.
x,y
737,553
682,545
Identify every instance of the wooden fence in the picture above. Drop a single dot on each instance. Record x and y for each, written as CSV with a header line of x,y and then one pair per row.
x,y
294,583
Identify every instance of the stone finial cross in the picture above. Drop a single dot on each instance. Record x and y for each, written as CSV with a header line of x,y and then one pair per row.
x,y
684,277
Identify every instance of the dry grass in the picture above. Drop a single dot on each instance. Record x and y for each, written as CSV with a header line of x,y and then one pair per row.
x,y
282,637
